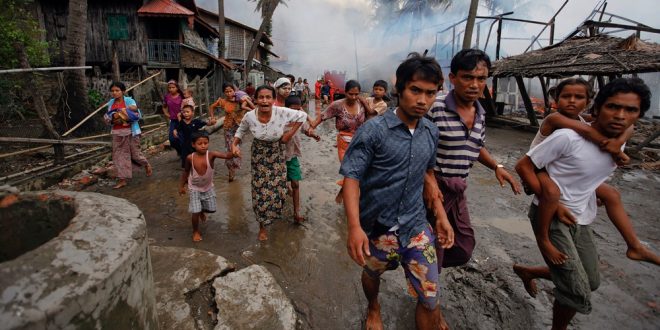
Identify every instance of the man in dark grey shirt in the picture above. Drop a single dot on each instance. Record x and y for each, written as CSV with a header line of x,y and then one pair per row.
x,y
388,168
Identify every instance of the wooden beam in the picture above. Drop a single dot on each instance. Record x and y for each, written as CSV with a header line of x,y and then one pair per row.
x,y
648,140
531,115
621,26
488,102
55,68
52,141
546,100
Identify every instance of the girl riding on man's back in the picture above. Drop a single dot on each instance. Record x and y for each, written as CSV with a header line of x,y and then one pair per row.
x,y
572,97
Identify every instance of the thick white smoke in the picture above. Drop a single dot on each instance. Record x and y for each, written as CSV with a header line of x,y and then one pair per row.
x,y
313,35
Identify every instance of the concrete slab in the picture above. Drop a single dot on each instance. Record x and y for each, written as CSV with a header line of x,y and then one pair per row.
x,y
93,274
251,299
177,272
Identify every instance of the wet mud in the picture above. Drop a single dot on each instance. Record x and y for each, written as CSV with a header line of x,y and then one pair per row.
x,y
310,261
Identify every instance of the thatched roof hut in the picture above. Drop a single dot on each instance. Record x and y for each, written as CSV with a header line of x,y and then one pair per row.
x,y
599,55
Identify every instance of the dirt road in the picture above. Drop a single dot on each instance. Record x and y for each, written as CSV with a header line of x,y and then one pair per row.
x,y
311,264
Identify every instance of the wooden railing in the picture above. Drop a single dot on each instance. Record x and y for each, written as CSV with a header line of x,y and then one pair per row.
x,y
163,51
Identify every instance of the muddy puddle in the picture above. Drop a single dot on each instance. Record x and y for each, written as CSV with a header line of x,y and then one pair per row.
x,y
311,264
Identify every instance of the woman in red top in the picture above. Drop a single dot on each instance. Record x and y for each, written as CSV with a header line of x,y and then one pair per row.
x,y
125,141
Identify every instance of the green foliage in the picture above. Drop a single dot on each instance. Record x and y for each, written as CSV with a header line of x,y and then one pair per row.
x,y
18,25
96,99
12,100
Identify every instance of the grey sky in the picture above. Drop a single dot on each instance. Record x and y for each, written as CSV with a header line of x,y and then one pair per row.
x,y
318,34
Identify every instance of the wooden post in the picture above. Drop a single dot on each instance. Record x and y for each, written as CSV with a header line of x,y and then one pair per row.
x,y
497,54
546,100
59,153
531,115
499,38
221,28
198,91
552,32
115,63
488,103
159,94
453,40
469,25
206,94
601,81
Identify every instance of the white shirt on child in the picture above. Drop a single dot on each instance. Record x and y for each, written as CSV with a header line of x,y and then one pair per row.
x,y
272,130
578,167
539,137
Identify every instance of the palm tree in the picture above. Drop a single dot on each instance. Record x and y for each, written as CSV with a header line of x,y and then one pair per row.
x,y
417,10
469,26
267,8
418,7
413,10
74,55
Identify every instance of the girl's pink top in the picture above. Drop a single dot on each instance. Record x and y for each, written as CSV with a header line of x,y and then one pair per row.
x,y
173,105
344,121
201,183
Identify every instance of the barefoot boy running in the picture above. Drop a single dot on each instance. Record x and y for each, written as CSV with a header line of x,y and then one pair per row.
x,y
198,172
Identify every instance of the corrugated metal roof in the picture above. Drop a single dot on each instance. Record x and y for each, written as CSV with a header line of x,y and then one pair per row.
x,y
164,8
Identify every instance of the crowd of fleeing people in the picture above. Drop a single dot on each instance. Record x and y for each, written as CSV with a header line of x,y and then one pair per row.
x,y
404,170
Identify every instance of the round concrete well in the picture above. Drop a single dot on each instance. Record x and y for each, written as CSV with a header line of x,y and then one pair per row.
x,y
74,261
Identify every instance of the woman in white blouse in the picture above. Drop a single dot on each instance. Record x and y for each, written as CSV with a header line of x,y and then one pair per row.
x,y
267,124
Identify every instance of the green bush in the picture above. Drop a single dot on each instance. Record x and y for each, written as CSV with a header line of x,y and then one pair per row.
x,y
18,26
95,98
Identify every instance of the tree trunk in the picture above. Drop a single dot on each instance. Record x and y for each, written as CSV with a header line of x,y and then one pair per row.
x,y
469,26
269,10
75,80
116,75
221,28
37,100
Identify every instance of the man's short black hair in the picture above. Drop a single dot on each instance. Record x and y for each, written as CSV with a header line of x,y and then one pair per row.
x,y
417,67
188,106
467,60
262,87
381,83
291,100
197,135
625,85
